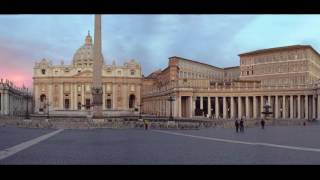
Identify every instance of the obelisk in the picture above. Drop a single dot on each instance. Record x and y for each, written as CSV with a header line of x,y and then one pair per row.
x,y
97,68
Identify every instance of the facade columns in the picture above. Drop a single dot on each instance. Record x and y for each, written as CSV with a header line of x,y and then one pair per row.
x,y
179,106
201,103
239,107
190,107
82,97
209,106
254,107
299,107
318,107
247,107
291,107
261,106
224,107
276,108
1,98
306,109
61,96
313,107
193,105
284,107
217,106
232,107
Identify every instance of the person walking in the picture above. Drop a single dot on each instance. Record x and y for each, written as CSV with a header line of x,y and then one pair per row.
x,y
262,123
146,124
237,125
241,125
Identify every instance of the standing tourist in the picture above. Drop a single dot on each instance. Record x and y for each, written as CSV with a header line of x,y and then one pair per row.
x,y
237,125
262,123
241,125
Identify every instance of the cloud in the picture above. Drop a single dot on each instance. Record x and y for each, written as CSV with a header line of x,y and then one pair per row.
x,y
150,39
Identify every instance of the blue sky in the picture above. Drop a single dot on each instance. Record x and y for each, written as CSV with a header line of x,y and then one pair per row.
x,y
150,39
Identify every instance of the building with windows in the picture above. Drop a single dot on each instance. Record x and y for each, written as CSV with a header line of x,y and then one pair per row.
x,y
287,78
14,100
66,89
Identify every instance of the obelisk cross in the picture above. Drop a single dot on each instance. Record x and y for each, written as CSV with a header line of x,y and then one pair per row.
x,y
97,68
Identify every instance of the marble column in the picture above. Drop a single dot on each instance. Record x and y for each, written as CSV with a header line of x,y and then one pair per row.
x,y
179,106
239,107
82,97
247,107
318,107
306,109
291,107
190,107
209,106
232,107
61,96
284,112
299,107
201,102
261,106
224,107
193,105
217,106
313,107
114,96
276,108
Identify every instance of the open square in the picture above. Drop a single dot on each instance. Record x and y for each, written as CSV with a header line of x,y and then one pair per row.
x,y
273,145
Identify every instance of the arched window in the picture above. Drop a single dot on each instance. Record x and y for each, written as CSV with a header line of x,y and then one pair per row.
x,y
43,71
132,100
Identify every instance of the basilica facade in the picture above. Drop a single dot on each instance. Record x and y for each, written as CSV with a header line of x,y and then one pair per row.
x,y
66,89
286,78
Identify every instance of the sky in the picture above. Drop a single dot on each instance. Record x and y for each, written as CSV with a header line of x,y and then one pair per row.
x,y
149,39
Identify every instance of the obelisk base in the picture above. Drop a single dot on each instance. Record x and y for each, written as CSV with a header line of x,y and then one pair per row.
x,y
97,103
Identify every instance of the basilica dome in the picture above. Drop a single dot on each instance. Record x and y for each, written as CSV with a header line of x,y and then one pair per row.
x,y
84,55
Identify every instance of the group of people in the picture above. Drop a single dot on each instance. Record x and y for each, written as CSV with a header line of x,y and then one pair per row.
x,y
240,125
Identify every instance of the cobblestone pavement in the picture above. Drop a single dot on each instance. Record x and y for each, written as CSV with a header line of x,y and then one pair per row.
x,y
137,146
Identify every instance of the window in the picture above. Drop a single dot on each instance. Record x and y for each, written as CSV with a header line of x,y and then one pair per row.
x,y
43,71
132,72
66,104
108,104
87,104
79,105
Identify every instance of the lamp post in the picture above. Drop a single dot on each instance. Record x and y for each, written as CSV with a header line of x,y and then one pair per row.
x,y
171,99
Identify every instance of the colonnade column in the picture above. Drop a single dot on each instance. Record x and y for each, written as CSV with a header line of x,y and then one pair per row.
x,y
291,107
232,107
276,108
193,105
224,108
247,107
318,106
313,107
299,107
239,107
283,107
255,107
306,105
201,102
209,106
217,106
190,107
261,106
